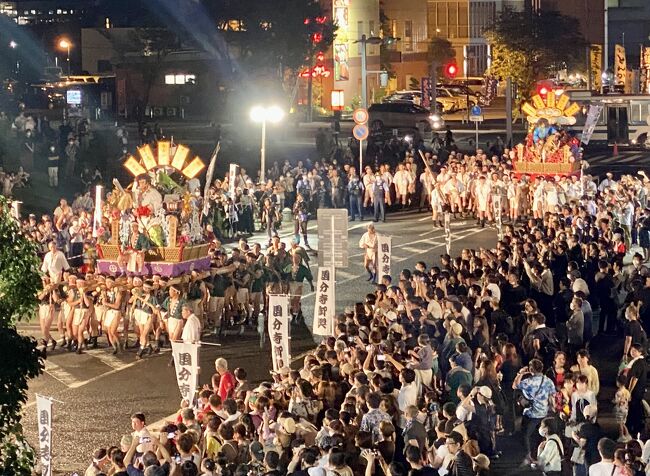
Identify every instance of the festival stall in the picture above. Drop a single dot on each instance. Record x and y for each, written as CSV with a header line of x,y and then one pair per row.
x,y
153,225
549,150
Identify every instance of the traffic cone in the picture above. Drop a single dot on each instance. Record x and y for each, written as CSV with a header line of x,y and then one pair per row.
x,y
615,149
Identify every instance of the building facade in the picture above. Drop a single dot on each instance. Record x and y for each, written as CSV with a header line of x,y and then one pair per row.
x,y
354,19
462,22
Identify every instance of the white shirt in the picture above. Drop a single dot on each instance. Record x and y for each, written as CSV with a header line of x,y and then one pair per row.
x,y
408,395
54,264
191,330
604,468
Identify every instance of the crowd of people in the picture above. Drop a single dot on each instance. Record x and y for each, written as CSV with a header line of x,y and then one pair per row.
x,y
435,367
432,370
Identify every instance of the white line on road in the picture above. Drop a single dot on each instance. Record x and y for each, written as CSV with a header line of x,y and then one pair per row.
x,y
107,358
59,374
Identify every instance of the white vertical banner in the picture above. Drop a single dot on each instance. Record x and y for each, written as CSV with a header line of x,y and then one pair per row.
x,y
590,122
498,221
44,409
448,232
384,251
325,305
186,363
97,216
232,179
279,330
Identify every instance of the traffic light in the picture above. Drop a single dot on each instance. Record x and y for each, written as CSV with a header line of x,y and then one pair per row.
x,y
451,70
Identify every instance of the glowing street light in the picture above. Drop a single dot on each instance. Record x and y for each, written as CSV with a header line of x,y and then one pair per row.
x,y
13,44
66,45
272,114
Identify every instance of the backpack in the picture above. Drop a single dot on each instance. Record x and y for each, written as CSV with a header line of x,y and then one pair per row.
x,y
549,345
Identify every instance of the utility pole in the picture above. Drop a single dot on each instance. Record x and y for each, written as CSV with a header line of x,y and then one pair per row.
x,y
509,112
364,74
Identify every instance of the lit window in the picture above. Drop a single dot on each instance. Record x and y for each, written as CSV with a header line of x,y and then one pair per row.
x,y
33,12
180,79
58,11
190,79
169,79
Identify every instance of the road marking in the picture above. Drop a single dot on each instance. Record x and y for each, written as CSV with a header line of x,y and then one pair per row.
x,y
473,231
59,374
428,217
632,158
106,358
344,274
411,249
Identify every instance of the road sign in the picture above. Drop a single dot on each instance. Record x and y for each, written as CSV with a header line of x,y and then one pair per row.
x,y
360,115
476,110
360,132
474,118
332,237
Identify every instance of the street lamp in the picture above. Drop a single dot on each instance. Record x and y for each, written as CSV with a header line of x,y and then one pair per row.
x,y
13,44
264,114
66,45
373,40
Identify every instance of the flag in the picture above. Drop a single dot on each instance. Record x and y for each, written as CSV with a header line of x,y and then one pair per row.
x,y
186,362
232,179
620,65
44,409
208,179
279,330
325,305
590,122
596,66
645,70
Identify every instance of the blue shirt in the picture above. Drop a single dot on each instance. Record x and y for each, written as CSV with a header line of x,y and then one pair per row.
x,y
538,389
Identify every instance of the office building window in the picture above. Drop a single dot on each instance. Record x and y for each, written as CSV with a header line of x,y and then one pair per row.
x,y
180,79
408,35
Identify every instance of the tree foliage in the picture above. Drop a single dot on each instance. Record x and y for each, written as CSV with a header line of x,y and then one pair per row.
x,y
439,52
21,360
528,46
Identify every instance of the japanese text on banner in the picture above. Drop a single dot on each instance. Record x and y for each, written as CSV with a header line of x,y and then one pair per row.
x,y
186,362
325,305
279,330
384,250
44,409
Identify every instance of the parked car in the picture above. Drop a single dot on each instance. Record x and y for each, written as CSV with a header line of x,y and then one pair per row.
x,y
457,96
412,96
403,114
476,84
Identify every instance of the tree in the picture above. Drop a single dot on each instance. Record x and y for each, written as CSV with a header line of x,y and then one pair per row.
x,y
528,46
439,52
21,360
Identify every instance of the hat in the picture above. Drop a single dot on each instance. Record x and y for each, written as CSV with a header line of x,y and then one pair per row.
x,y
288,425
485,391
456,328
257,450
482,461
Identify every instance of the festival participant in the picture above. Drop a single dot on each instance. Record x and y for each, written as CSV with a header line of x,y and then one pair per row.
x,y
143,308
197,294
47,309
380,191
54,263
368,243
111,299
296,273
82,314
402,181
172,312
482,192
192,325
300,218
